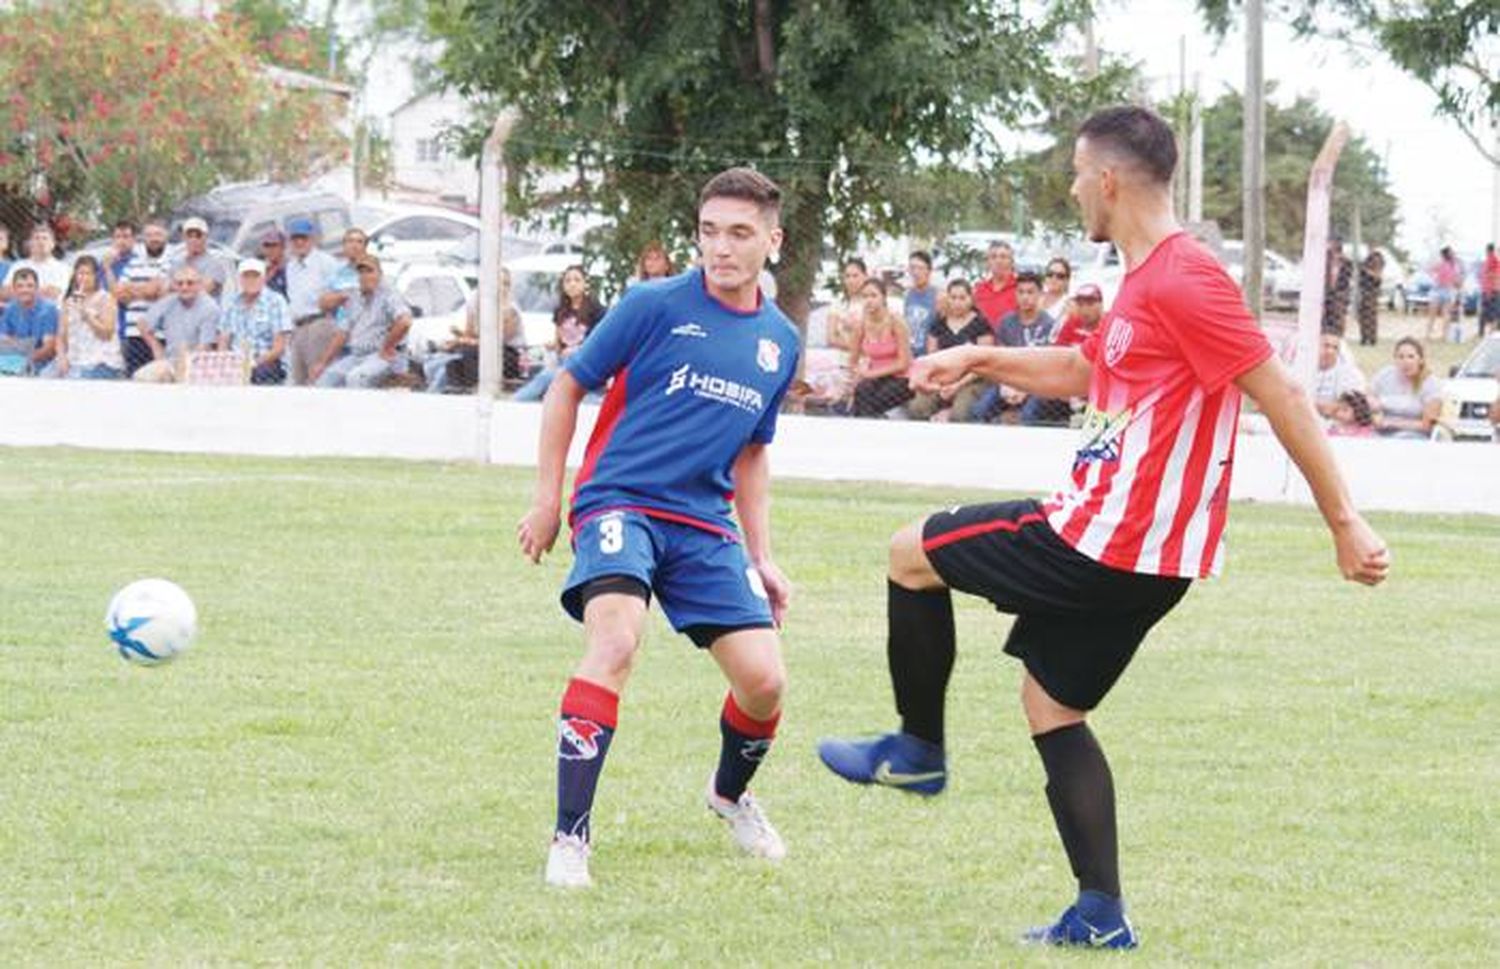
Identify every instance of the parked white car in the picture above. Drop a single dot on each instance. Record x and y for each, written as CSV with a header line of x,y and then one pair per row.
x,y
1281,282
1470,394
418,234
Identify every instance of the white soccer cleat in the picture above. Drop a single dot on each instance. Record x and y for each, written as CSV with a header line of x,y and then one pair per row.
x,y
568,862
748,823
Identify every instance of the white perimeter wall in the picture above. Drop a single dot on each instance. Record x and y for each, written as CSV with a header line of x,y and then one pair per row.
x,y
300,422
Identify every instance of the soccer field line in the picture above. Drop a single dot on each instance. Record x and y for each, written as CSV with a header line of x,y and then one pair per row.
x,y
16,489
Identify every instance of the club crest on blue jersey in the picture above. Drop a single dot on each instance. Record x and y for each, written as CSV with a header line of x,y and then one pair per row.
x,y
768,355
576,738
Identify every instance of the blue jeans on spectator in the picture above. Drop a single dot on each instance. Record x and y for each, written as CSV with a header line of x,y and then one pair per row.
x,y
268,373
986,406
435,369
99,371
361,370
536,387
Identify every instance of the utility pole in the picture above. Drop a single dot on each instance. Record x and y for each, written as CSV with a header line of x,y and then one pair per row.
x,y
1195,153
491,224
1183,132
1254,169
1090,49
1495,188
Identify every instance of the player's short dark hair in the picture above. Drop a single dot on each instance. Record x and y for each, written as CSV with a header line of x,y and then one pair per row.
x,y
855,261
922,256
24,272
1138,133
125,224
1029,276
746,184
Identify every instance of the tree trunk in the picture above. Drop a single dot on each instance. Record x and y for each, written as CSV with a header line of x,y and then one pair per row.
x,y
806,201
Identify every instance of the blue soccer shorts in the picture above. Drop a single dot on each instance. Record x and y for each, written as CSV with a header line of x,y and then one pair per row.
x,y
701,578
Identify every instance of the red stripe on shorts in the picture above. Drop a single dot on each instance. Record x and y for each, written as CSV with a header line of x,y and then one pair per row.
x,y
982,528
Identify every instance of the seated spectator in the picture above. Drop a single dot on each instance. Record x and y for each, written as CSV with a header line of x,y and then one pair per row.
x,y
1352,416
881,355
88,335
456,365
1337,374
365,351
843,317
1086,310
185,321
1055,281
1407,397
961,323
28,328
52,273
1025,326
257,323
213,271
576,314
141,283
920,305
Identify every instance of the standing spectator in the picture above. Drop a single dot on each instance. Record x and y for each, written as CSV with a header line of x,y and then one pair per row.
x,y
1080,324
365,350
920,304
309,274
175,326
881,355
1338,277
4,257
995,296
212,270
1367,309
960,324
273,253
652,263
1447,290
52,273
256,323
1337,374
577,312
844,315
143,282
1489,290
1056,279
1406,396
88,342
28,328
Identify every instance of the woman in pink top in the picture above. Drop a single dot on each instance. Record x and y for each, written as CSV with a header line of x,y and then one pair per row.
x,y
881,354
1447,283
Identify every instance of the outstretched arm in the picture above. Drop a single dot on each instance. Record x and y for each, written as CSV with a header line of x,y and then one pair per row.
x,y
1362,555
538,528
1045,371
752,502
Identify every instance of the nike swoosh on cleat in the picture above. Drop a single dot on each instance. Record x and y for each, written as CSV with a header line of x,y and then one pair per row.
x,y
1096,940
884,775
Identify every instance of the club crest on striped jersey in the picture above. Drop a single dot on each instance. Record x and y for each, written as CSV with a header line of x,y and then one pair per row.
x,y
1117,342
576,738
768,355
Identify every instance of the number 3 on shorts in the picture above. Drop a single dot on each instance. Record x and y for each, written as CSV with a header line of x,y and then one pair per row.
x,y
611,535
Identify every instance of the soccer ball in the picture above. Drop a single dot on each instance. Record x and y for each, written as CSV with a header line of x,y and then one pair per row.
x,y
150,621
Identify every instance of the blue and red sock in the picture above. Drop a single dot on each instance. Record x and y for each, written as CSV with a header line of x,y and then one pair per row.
x,y
584,729
746,743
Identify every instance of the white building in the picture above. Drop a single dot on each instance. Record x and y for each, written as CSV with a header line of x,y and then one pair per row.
x,y
423,159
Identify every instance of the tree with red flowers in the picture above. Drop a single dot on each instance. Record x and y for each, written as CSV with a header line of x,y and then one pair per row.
x,y
123,108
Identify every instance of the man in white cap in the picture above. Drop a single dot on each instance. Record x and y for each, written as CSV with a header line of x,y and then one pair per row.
x,y
187,320
211,269
257,323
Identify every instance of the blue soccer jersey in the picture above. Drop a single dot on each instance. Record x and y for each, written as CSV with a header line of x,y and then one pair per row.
x,y
695,382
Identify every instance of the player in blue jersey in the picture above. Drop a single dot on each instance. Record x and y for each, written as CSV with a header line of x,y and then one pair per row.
x,y
697,366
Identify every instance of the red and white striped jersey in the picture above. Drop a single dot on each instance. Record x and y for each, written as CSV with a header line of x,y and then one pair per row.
x,y
1150,484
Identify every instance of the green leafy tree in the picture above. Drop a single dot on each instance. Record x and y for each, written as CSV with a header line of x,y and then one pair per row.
x,y
1452,46
1293,136
840,101
122,108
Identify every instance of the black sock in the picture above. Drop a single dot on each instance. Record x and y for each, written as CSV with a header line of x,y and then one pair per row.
x,y
584,729
920,651
745,743
1081,792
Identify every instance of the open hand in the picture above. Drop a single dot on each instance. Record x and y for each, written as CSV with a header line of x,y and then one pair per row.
x,y
537,530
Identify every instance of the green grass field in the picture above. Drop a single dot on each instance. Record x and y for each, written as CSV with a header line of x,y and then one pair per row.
x,y
354,765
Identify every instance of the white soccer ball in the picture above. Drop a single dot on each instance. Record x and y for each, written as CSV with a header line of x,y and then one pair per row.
x,y
150,621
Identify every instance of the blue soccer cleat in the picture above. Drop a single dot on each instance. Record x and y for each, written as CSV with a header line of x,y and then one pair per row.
x,y
896,760
1097,921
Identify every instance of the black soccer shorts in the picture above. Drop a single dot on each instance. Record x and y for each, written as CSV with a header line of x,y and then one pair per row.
x,y
1078,623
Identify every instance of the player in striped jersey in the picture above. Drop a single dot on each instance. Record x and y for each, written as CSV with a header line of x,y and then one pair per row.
x,y
1089,571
